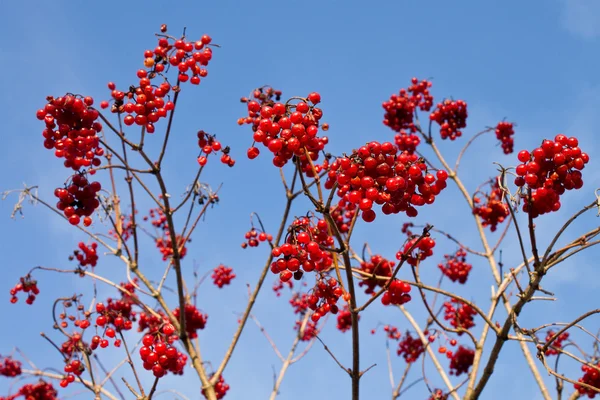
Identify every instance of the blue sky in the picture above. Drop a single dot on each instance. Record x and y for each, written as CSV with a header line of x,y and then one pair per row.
x,y
534,63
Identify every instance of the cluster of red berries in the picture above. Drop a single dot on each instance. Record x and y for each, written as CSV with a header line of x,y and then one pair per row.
x,y
299,302
28,286
557,343
39,391
73,369
310,330
343,214
146,103
377,174
253,238
461,360
391,332
548,171
194,320
160,356
397,293
456,266
115,316
416,249
344,319
459,314
324,298
221,388
494,211
163,242
287,130
504,133
302,250
80,319
451,115
209,144
73,345
591,376
278,286
71,129
126,228
86,255
9,367
78,199
376,266
222,275
438,394
400,108
410,348
151,323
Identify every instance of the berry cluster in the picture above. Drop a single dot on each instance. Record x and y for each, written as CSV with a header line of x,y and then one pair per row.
x,y
302,251
397,293
39,391
416,249
221,388
310,330
377,174
343,213
548,171
222,276
151,323
126,228
456,267
194,320
28,286
163,242
504,132
278,286
451,115
438,394
461,360
78,199
85,255
324,298
159,355
410,348
146,103
391,332
71,129
253,238
73,345
493,211
80,319
9,367
115,316
459,314
287,130
400,108
344,320
591,376
376,266
557,343
73,368
209,144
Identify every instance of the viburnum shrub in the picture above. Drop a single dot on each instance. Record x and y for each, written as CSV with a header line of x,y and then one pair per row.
x,y
156,319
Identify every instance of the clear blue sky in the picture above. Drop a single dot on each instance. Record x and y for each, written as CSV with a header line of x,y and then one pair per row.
x,y
534,63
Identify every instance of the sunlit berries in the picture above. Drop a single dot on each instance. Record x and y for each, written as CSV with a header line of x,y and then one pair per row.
x,y
547,172
376,174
